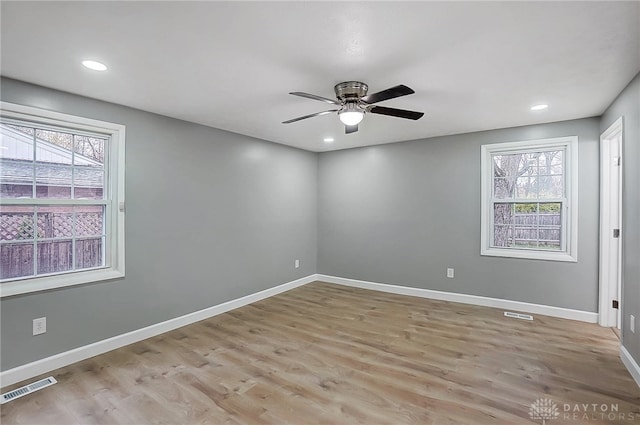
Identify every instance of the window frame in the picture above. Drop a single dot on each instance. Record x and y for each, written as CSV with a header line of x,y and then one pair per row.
x,y
115,200
569,212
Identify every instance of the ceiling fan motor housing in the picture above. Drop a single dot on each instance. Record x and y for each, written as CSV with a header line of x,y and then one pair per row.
x,y
350,90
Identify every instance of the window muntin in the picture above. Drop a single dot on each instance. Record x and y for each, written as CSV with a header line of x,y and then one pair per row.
x,y
62,200
528,210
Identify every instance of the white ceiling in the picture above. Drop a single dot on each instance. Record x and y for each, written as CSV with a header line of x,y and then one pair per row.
x,y
474,66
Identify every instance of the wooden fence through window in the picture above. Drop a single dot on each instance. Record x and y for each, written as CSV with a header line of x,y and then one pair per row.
x,y
52,257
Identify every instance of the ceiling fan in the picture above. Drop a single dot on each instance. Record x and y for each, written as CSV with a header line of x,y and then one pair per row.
x,y
354,102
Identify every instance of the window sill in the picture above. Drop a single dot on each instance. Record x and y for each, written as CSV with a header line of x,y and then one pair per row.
x,y
37,284
529,254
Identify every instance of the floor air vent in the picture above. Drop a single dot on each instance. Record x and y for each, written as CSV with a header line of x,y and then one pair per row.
x,y
27,389
518,315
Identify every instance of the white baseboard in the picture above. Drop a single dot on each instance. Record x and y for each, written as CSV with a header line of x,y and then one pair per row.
x,y
30,370
630,363
564,313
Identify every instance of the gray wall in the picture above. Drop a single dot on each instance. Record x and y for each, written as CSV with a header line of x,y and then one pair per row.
x,y
627,105
211,216
399,213
404,212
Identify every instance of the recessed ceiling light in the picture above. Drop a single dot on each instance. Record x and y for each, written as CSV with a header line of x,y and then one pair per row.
x,y
539,107
328,139
94,65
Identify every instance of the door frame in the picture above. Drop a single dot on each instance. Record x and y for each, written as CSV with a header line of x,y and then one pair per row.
x,y
610,289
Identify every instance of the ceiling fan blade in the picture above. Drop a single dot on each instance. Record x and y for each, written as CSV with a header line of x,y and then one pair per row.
x,y
348,129
393,112
317,114
314,97
387,94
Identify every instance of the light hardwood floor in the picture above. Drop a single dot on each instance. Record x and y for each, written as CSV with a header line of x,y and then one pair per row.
x,y
328,354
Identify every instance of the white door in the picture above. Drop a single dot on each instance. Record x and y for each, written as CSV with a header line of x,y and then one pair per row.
x,y
610,225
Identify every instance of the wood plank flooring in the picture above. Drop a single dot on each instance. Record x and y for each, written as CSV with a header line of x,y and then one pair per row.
x,y
328,354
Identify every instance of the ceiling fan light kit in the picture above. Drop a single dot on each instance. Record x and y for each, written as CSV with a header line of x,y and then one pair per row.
x,y
351,114
354,102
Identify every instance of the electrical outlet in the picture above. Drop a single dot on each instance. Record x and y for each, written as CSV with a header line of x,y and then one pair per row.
x,y
296,264
450,273
39,326
632,323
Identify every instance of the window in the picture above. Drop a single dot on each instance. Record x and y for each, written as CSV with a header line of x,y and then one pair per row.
x,y
61,200
529,199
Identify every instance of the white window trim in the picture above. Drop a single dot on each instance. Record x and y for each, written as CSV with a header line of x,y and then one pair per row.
x,y
116,256
570,221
